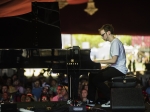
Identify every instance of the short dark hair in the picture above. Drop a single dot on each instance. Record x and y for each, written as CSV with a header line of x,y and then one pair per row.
x,y
107,27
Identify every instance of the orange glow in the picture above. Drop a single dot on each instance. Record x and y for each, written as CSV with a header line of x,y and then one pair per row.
x,y
19,7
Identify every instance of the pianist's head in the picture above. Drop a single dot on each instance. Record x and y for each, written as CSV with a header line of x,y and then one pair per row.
x,y
107,31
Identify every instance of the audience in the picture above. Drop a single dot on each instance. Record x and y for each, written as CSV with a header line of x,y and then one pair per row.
x,y
39,90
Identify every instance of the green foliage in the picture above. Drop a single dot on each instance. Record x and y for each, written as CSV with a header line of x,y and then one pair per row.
x,y
125,39
94,40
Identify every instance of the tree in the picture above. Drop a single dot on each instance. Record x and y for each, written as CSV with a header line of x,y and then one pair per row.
x,y
125,39
94,40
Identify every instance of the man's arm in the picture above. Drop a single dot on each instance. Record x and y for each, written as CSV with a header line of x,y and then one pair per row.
x,y
109,61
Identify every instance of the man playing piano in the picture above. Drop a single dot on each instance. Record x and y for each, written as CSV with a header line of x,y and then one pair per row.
x,y
116,66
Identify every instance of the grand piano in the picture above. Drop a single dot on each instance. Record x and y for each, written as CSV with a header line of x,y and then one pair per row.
x,y
33,40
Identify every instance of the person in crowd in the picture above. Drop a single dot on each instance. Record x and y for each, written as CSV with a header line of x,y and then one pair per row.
x,y
22,97
84,94
14,76
12,89
37,89
65,95
53,87
45,98
28,91
47,87
58,97
5,89
19,90
5,98
42,80
83,83
17,84
45,91
29,98
116,66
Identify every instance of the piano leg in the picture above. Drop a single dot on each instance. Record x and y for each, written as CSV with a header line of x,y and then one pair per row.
x,y
73,83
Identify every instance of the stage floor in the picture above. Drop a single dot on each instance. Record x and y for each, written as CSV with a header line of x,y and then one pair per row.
x,y
64,107
147,109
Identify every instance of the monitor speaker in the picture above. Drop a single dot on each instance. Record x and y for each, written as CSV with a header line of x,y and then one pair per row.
x,y
77,108
9,107
127,100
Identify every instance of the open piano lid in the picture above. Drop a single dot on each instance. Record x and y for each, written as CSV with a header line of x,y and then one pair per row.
x,y
24,37
39,28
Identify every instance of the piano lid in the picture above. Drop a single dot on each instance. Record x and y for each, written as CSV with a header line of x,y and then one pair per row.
x,y
39,28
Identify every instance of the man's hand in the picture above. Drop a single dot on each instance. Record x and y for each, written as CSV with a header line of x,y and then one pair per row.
x,y
103,67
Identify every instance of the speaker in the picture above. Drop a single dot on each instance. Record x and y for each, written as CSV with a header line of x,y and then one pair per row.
x,y
77,108
127,100
9,107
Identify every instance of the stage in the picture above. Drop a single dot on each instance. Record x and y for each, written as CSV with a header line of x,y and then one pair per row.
x,y
64,107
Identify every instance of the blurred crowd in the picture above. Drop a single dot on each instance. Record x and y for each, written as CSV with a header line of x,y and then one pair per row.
x,y
19,88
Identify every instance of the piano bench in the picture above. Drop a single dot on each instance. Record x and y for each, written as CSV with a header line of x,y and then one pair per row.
x,y
127,81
